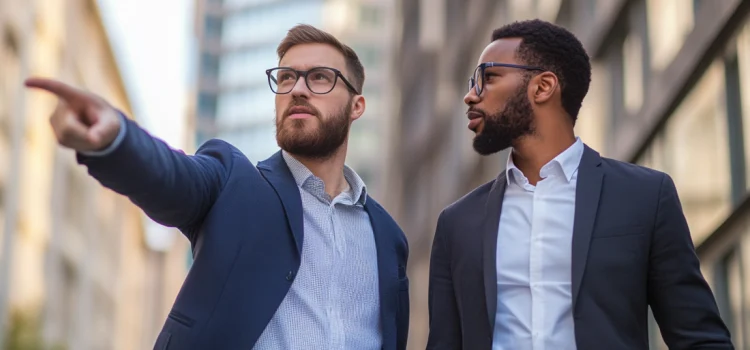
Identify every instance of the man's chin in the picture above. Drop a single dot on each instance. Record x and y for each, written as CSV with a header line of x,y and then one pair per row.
x,y
486,147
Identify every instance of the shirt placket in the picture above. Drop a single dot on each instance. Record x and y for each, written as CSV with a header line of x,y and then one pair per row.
x,y
337,326
535,268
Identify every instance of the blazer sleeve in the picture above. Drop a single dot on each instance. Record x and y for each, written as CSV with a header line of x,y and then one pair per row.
x,y
172,188
445,327
681,300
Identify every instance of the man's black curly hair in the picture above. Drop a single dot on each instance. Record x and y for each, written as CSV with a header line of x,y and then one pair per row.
x,y
555,49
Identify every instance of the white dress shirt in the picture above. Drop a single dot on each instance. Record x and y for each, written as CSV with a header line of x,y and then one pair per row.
x,y
534,303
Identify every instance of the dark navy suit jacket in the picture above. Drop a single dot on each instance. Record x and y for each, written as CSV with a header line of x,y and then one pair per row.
x,y
245,226
631,249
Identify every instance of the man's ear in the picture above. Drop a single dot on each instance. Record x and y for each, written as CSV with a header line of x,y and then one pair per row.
x,y
358,107
544,86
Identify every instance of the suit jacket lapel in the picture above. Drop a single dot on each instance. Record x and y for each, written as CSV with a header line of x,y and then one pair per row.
x,y
588,189
489,244
277,173
387,270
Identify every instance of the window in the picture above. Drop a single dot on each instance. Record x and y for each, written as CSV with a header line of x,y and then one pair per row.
x,y
370,15
238,67
209,65
200,138
669,23
369,56
206,105
697,6
627,60
268,23
693,149
238,3
734,128
212,27
244,106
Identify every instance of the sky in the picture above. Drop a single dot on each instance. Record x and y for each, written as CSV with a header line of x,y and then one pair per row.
x,y
153,41
154,44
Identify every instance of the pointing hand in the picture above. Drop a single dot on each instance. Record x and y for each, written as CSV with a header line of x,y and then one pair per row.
x,y
82,121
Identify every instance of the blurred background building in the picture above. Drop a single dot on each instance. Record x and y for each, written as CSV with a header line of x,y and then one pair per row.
x,y
237,43
76,270
670,90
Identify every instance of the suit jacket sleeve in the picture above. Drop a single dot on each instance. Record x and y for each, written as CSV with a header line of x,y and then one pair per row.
x,y
445,326
172,188
681,300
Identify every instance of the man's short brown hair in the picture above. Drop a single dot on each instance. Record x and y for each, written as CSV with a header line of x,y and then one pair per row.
x,y
307,34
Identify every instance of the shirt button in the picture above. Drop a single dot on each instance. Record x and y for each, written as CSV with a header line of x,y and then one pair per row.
x,y
290,276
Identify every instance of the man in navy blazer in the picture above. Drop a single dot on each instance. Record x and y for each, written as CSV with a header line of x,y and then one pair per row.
x,y
565,250
291,254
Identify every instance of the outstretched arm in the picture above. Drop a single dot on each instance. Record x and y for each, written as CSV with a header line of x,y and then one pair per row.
x,y
172,188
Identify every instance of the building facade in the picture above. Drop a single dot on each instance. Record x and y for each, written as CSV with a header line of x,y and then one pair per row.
x,y
77,269
237,43
670,90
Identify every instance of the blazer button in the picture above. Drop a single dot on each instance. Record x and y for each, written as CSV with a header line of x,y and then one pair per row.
x,y
290,276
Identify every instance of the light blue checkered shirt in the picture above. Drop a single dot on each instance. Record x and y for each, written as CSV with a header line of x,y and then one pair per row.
x,y
334,301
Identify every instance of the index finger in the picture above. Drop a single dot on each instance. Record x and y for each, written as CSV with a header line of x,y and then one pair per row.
x,y
62,90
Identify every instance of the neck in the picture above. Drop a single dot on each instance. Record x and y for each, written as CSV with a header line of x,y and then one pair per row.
x,y
329,169
532,152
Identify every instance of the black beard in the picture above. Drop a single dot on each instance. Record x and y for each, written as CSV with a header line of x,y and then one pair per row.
x,y
504,127
319,144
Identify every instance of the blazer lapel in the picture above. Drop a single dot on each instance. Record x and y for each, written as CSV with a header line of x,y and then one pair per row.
x,y
277,173
387,269
588,189
489,244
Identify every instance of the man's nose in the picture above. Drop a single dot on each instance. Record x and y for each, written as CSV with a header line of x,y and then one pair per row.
x,y
471,97
300,88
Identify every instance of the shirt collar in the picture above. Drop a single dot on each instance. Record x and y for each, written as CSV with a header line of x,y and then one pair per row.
x,y
568,161
301,173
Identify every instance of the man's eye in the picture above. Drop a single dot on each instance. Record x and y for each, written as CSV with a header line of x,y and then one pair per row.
x,y
320,76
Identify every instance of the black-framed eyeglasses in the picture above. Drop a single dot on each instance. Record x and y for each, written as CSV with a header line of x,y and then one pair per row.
x,y
320,80
477,79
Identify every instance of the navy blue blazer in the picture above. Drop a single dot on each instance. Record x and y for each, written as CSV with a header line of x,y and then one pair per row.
x,y
631,249
245,227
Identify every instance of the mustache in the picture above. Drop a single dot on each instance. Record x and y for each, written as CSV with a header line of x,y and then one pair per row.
x,y
300,102
473,109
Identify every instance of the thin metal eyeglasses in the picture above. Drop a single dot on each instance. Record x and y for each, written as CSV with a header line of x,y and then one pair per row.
x,y
477,79
320,80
